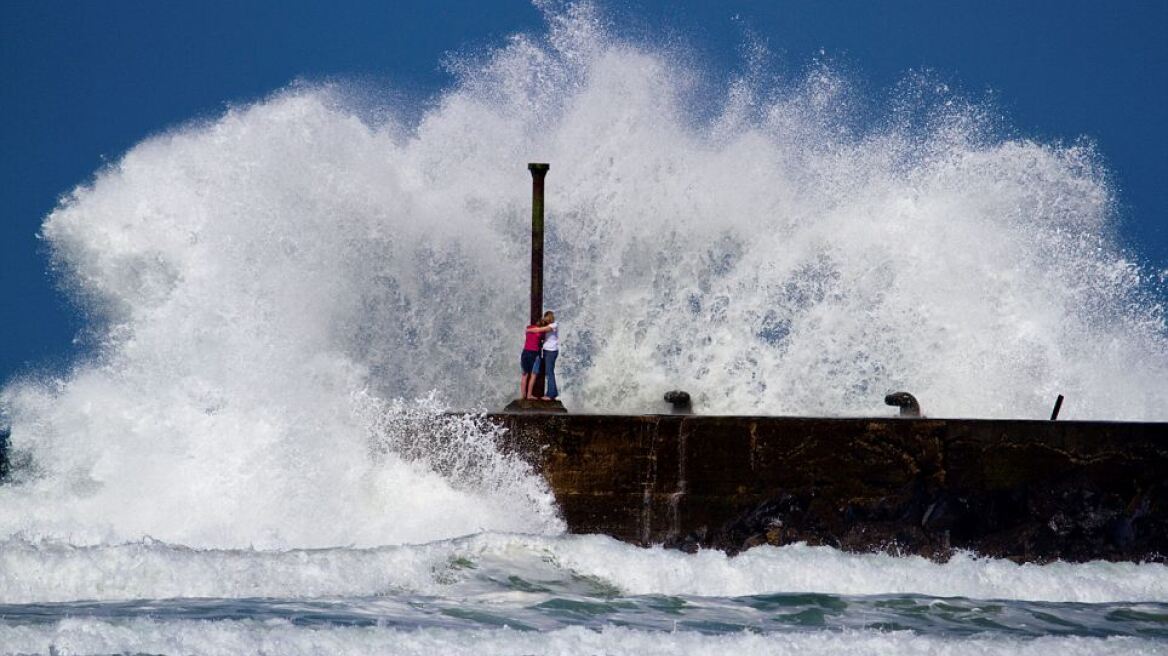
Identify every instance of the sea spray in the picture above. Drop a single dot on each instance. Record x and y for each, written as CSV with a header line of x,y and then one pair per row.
x,y
464,448
310,479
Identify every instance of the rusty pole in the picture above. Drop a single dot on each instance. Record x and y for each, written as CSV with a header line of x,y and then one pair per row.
x,y
538,171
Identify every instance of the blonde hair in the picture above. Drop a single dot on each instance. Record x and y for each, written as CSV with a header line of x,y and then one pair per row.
x,y
549,317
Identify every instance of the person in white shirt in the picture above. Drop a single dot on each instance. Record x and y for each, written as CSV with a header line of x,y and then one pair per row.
x,y
551,349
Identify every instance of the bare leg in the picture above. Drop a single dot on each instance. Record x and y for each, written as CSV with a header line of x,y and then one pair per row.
x,y
523,386
530,385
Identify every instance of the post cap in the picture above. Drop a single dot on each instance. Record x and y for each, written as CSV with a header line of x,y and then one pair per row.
x,y
534,166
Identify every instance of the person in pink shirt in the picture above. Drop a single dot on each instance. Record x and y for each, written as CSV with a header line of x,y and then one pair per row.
x,y
531,348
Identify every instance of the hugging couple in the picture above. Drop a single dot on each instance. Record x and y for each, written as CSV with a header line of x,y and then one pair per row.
x,y
541,345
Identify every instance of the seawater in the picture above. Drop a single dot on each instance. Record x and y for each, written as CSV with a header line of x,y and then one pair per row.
x,y
522,594
284,301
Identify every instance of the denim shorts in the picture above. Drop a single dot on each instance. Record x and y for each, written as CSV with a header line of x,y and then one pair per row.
x,y
527,360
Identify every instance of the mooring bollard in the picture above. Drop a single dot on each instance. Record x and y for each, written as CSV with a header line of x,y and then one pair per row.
x,y
906,402
679,401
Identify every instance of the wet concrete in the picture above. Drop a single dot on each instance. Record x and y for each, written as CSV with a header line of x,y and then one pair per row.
x,y
1024,490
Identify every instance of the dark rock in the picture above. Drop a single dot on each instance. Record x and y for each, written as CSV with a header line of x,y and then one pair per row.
x,y
4,463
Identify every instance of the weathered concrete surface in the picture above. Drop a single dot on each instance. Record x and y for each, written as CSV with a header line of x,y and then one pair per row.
x,y
1025,490
535,405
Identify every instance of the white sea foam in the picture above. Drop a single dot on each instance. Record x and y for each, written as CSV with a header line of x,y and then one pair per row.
x,y
328,471
478,567
247,637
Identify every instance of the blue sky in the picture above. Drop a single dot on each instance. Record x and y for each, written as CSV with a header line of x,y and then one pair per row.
x,y
82,82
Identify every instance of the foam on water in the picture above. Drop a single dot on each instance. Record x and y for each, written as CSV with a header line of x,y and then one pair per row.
x,y
480,566
250,276
249,637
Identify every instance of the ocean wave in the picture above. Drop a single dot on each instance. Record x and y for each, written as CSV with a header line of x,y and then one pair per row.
x,y
481,566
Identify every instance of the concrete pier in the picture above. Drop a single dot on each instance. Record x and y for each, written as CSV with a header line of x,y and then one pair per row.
x,y
1024,490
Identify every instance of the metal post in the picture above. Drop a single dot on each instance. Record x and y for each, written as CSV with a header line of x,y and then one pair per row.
x,y
538,171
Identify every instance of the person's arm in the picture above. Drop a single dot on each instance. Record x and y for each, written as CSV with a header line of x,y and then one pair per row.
x,y
539,329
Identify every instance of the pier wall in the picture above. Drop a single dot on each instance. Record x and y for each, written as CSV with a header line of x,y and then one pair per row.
x,y
1025,490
